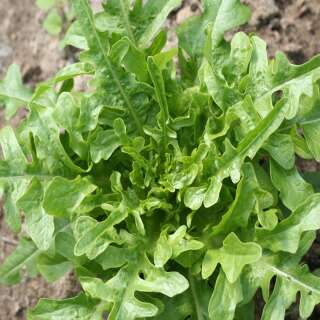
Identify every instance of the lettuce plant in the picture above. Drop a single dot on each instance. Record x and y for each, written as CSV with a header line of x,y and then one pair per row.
x,y
169,186
56,12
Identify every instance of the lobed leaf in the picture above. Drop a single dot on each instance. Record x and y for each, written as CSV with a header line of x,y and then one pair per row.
x,y
171,193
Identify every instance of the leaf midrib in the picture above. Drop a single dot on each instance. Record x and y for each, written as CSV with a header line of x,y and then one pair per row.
x,y
126,21
7,96
292,278
109,65
27,176
243,152
22,263
36,252
277,88
288,82
214,27
151,29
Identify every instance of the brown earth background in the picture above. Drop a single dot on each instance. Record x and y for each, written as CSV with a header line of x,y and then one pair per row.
x,y
292,26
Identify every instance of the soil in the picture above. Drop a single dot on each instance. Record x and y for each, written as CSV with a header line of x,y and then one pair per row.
x,y
292,26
